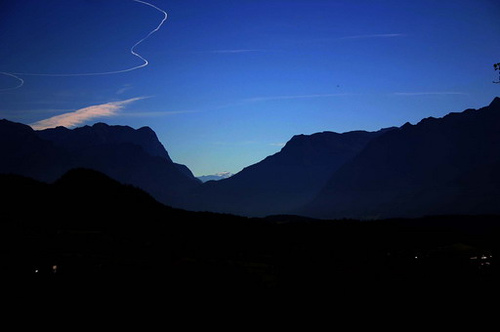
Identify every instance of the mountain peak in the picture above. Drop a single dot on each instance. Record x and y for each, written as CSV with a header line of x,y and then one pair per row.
x,y
100,124
495,103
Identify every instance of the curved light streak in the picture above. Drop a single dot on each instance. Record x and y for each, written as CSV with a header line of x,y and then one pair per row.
x,y
20,80
145,62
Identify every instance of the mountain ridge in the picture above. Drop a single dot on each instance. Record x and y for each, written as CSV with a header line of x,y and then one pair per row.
x,y
102,133
131,156
441,165
437,166
283,180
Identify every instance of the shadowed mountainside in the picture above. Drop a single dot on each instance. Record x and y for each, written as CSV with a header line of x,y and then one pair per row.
x,y
443,165
285,180
447,165
130,156
438,166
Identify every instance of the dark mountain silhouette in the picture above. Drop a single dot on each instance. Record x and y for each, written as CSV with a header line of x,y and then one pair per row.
x,y
438,166
447,165
130,156
285,180
89,236
84,223
103,134
23,152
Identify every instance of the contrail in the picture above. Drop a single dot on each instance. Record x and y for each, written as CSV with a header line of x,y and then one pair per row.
x,y
145,62
20,84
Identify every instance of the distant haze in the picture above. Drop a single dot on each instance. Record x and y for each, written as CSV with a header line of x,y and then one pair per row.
x,y
215,177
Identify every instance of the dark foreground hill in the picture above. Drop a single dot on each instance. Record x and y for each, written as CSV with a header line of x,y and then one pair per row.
x,y
88,232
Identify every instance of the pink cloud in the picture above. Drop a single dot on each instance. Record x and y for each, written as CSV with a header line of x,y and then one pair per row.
x,y
82,115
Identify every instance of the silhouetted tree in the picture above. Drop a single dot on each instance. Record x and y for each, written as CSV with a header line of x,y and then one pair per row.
x,y
497,67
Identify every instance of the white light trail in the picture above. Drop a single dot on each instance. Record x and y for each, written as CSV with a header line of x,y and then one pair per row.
x,y
145,62
20,80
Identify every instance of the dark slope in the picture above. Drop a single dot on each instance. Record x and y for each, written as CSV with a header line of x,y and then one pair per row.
x,y
102,235
439,166
285,180
23,152
130,156
91,225
89,237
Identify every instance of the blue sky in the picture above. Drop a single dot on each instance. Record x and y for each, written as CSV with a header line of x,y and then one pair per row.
x,y
227,83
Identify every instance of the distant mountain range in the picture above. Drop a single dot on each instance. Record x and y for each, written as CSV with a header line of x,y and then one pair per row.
x,y
215,177
443,165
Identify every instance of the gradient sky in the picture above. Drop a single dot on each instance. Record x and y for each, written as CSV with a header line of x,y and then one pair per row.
x,y
228,82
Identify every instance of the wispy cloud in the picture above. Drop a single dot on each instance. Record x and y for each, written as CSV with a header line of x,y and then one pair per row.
x,y
288,97
380,35
429,93
77,117
124,88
